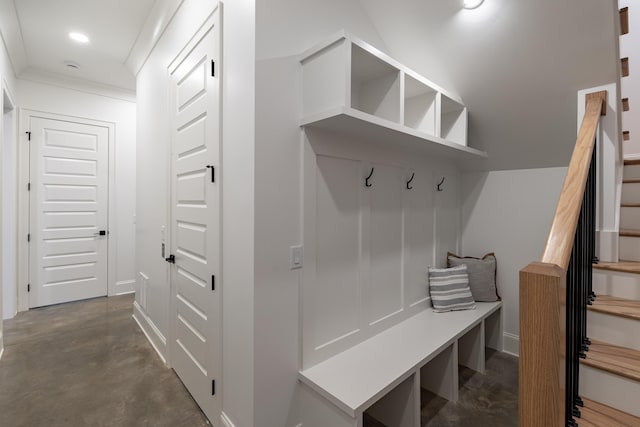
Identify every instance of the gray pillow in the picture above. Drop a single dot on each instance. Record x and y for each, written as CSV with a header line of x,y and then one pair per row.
x,y
449,289
482,275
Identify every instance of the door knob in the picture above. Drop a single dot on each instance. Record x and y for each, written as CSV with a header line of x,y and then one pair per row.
x,y
100,233
171,259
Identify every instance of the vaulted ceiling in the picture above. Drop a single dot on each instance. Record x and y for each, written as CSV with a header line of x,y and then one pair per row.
x,y
517,64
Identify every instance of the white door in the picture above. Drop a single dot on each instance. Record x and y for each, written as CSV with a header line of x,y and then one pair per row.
x,y
195,217
68,211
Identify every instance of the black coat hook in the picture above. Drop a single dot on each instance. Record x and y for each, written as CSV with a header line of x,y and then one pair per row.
x,y
366,181
409,182
441,182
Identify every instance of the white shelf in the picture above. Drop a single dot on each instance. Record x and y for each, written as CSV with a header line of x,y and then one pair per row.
x,y
371,128
348,80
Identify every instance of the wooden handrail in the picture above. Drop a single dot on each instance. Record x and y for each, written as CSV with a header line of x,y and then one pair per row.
x,y
563,228
543,291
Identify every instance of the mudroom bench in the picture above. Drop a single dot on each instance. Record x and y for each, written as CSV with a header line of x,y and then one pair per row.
x,y
383,375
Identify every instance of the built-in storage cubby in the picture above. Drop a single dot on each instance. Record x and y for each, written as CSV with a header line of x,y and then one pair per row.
x,y
420,103
399,407
453,125
349,85
375,85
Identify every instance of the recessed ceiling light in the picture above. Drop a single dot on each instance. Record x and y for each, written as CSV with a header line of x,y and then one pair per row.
x,y
472,4
79,37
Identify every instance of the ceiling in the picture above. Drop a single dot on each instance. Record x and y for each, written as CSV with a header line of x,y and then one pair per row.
x,y
517,64
113,27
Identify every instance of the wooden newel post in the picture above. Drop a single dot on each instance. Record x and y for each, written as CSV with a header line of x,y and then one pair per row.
x,y
542,335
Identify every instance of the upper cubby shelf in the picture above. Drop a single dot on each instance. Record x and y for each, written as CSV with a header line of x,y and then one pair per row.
x,y
351,86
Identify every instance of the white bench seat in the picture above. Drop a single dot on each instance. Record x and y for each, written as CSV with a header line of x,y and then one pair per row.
x,y
357,378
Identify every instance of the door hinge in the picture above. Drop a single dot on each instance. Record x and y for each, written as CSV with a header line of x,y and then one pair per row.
x,y
213,68
213,282
29,237
28,186
213,387
29,287
28,135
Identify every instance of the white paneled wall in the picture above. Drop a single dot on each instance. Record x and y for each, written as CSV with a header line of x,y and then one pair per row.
x,y
367,249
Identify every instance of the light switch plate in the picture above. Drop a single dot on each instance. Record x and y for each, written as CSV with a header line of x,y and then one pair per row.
x,y
295,257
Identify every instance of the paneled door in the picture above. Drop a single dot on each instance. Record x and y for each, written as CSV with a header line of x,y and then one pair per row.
x,y
68,246
195,217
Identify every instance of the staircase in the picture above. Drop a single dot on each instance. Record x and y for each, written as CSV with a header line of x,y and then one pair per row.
x,y
610,374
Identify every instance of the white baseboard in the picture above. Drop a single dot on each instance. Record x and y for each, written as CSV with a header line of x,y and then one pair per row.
x,y
226,422
511,344
1,352
1,344
125,287
153,334
608,242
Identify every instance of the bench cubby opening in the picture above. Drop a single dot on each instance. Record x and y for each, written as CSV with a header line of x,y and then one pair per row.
x,y
400,407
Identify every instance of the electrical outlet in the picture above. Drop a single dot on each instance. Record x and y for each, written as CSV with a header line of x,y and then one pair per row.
x,y
295,257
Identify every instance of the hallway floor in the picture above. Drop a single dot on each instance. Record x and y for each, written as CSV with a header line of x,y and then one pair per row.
x,y
88,364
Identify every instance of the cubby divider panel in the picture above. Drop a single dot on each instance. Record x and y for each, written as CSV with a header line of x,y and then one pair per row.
x,y
440,375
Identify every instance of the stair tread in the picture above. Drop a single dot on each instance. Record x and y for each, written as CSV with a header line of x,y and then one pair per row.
x,y
631,181
630,205
628,232
615,359
616,306
622,266
597,414
631,162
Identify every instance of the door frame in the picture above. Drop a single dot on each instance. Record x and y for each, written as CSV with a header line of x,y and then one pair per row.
x,y
6,90
24,208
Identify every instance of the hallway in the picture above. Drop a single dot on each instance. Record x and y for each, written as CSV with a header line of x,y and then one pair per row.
x,y
88,364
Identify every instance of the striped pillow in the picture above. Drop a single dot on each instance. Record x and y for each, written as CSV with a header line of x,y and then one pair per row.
x,y
449,289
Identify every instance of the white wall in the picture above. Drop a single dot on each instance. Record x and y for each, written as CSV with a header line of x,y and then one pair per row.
x,y
7,79
609,176
631,85
284,30
79,102
153,149
509,213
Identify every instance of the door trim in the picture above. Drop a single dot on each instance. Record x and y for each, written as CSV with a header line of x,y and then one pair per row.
x,y
24,199
6,90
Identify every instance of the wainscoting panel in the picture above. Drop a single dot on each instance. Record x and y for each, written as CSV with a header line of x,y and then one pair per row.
x,y
367,248
384,291
418,237
336,292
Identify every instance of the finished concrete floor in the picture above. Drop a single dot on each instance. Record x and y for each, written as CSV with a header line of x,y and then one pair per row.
x,y
88,364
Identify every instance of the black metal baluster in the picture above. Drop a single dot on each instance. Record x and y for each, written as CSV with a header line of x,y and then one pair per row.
x,y
580,294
